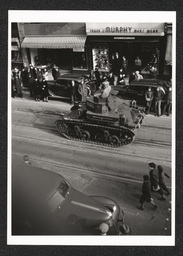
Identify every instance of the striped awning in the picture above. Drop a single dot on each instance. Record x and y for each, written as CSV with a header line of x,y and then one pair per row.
x,y
76,43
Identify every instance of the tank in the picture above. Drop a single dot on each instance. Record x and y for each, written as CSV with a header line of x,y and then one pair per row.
x,y
101,120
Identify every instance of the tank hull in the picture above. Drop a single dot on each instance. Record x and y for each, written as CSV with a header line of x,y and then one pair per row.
x,y
83,130
106,122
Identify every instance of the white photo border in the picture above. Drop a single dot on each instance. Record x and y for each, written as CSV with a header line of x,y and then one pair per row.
x,y
90,16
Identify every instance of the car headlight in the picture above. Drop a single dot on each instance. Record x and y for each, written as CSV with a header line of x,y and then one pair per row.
x,y
114,208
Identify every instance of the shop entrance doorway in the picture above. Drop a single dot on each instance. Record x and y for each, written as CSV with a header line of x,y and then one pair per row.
x,y
121,48
128,49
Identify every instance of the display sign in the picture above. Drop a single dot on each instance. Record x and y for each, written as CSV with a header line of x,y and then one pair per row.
x,y
125,29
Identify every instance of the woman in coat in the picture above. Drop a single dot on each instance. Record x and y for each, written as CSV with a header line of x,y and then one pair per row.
x,y
44,90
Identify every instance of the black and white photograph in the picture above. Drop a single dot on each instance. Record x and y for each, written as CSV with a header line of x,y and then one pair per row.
x,y
91,128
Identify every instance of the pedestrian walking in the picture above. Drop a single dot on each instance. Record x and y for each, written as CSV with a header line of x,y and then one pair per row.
x,y
154,179
162,184
44,90
158,95
138,64
146,194
148,98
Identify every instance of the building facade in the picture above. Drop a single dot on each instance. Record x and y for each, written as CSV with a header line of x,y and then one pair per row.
x,y
16,54
81,47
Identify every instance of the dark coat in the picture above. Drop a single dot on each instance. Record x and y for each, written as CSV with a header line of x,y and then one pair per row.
x,y
37,87
25,76
17,84
146,192
124,63
33,72
158,95
116,66
169,97
154,178
44,89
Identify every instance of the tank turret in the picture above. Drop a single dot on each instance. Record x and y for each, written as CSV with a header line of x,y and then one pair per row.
x,y
103,119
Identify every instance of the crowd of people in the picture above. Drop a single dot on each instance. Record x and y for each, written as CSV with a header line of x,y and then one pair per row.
x,y
118,71
157,100
162,100
33,78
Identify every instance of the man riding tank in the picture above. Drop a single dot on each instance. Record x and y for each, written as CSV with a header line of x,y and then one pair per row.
x,y
104,89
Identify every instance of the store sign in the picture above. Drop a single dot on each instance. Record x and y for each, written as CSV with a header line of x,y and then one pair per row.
x,y
54,29
138,29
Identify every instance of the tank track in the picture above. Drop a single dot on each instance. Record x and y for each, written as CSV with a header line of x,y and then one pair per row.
x,y
80,130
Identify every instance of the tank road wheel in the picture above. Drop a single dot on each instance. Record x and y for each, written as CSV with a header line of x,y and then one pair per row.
x,y
127,139
99,137
85,135
113,140
61,127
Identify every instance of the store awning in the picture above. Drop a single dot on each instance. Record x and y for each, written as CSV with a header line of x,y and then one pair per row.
x,y
71,42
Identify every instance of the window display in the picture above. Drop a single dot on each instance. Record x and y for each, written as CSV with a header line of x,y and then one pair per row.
x,y
101,58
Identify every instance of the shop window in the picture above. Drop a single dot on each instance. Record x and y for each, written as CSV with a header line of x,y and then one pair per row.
x,y
79,60
100,57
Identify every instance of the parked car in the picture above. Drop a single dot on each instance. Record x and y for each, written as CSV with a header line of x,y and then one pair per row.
x,y
45,203
137,89
61,88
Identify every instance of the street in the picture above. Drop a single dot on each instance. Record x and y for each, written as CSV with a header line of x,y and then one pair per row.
x,y
95,169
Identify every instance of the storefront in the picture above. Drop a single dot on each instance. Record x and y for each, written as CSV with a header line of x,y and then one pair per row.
x,y
16,57
62,44
129,40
